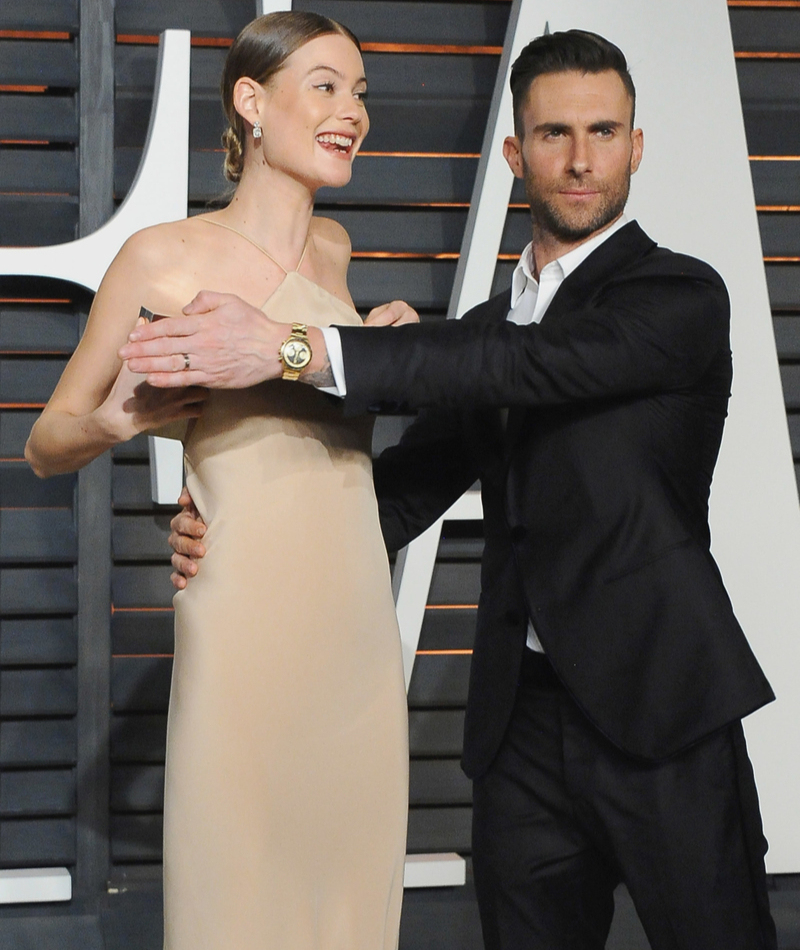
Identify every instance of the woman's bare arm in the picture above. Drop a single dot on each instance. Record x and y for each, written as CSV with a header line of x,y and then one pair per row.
x,y
98,402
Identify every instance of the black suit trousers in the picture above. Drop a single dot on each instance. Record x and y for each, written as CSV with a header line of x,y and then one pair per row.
x,y
562,816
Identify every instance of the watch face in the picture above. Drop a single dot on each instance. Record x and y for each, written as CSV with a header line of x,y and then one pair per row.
x,y
296,353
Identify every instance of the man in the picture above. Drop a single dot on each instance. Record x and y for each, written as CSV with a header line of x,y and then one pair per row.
x,y
609,674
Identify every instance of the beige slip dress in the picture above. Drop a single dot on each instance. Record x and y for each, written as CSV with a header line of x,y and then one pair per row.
x,y
287,756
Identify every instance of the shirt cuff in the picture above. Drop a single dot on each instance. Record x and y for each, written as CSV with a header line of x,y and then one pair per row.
x,y
334,344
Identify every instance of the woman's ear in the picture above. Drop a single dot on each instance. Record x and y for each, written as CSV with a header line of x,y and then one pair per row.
x,y
246,99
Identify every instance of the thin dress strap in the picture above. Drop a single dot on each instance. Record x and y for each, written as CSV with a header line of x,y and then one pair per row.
x,y
255,244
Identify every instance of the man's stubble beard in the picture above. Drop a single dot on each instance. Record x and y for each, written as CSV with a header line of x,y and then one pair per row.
x,y
546,217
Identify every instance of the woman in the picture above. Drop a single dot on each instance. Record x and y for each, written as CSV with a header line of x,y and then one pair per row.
x,y
286,781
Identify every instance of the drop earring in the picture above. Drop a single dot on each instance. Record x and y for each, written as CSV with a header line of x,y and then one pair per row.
x,y
257,129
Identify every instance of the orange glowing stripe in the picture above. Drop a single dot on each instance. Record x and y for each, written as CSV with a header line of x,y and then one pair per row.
x,y
451,607
150,40
24,88
420,154
777,207
142,656
781,260
431,48
444,652
141,610
753,55
34,300
764,3
12,460
33,35
404,256
22,405
775,158
24,141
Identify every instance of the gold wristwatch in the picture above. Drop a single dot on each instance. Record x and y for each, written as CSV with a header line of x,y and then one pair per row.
x,y
295,352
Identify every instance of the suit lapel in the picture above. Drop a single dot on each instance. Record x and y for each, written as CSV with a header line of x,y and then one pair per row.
x,y
577,290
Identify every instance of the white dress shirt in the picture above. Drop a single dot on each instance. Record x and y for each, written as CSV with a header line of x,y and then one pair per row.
x,y
529,303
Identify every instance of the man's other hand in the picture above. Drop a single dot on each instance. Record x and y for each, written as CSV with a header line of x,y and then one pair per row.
x,y
187,529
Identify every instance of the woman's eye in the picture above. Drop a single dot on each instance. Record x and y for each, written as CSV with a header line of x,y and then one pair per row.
x,y
362,95
325,86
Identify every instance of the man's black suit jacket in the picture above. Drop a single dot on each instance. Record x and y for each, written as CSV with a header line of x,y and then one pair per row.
x,y
595,493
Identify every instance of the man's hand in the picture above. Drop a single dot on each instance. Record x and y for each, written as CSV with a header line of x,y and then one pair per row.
x,y
392,314
187,529
221,342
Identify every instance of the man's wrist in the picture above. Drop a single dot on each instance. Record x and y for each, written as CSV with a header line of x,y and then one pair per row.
x,y
318,371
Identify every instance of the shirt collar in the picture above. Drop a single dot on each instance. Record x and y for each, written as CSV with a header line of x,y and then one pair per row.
x,y
562,266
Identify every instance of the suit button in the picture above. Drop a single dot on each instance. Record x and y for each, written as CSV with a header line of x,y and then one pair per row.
x,y
512,618
519,533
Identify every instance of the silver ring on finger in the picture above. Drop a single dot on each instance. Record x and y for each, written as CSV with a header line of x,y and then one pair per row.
x,y
186,361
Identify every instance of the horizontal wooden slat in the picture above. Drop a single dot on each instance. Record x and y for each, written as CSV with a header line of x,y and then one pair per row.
x,y
37,842
15,426
36,221
790,377
38,590
776,182
29,380
142,585
140,537
435,23
41,641
212,18
425,285
452,629
38,535
440,829
765,29
436,731
794,434
38,170
52,15
780,233
31,62
136,448
417,231
455,583
137,788
31,742
438,782
783,281
787,337
138,738
38,792
140,632
49,118
439,682
140,684
20,488
49,692
51,329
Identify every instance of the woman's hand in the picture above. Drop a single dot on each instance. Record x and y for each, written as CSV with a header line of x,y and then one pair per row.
x,y
392,314
187,529
133,406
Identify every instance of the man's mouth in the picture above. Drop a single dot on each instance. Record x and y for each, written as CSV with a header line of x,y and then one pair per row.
x,y
335,142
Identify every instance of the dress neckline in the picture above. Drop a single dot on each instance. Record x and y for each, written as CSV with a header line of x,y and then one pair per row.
x,y
259,247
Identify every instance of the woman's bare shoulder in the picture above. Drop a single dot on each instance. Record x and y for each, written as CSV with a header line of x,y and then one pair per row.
x,y
331,239
149,245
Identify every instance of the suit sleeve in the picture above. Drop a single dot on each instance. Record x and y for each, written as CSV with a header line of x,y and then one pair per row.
x,y
417,480
644,332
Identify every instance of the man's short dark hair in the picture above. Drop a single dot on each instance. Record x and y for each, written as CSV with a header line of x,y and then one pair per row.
x,y
570,51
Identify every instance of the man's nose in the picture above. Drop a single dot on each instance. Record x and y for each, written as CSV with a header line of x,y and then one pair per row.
x,y
580,155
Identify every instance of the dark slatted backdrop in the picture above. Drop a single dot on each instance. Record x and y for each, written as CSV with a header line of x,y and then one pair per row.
x,y
431,69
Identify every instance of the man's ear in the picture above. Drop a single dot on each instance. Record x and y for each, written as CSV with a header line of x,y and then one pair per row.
x,y
512,152
637,148
246,98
